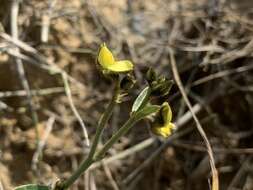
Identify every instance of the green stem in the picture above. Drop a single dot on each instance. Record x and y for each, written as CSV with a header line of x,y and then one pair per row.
x,y
101,125
122,131
103,120
83,167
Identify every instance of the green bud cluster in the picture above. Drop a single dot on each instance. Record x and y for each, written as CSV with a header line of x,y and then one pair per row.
x,y
160,86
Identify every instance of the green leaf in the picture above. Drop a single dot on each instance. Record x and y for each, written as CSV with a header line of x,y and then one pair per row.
x,y
146,111
141,100
32,187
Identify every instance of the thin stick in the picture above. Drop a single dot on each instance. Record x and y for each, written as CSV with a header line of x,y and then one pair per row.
x,y
20,66
37,58
222,74
92,182
142,145
71,103
42,142
200,148
17,42
74,164
110,177
232,55
46,17
40,92
87,180
132,175
4,106
1,185
238,176
215,184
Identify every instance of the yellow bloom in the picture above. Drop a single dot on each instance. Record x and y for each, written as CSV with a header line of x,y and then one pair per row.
x,y
164,131
162,125
108,63
166,113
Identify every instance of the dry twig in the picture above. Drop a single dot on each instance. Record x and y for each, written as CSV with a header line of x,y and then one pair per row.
x,y
110,177
1,185
20,66
41,92
42,143
69,95
215,184
46,17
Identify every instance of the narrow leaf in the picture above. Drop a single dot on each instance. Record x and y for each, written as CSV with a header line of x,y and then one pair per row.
x,y
32,187
146,111
141,100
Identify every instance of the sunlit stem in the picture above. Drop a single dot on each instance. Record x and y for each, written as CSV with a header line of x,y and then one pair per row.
x,y
122,131
101,125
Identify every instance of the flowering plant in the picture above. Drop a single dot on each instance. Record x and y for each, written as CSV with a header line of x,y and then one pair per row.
x,y
141,109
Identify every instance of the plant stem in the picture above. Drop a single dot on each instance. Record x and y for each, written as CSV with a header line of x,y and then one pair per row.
x,y
101,125
122,131
134,118
104,119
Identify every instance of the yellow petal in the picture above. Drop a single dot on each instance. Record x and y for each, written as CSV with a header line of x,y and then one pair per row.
x,y
166,112
164,131
121,66
105,57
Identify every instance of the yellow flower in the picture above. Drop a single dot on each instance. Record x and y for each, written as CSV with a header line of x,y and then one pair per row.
x,y
162,125
164,131
108,63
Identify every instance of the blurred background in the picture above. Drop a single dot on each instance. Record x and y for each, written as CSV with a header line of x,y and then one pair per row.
x,y
212,41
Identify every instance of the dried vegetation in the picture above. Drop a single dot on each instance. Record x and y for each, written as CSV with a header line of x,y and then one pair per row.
x,y
212,42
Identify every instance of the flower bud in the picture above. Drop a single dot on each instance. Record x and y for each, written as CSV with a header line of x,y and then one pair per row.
x,y
159,86
151,75
162,125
